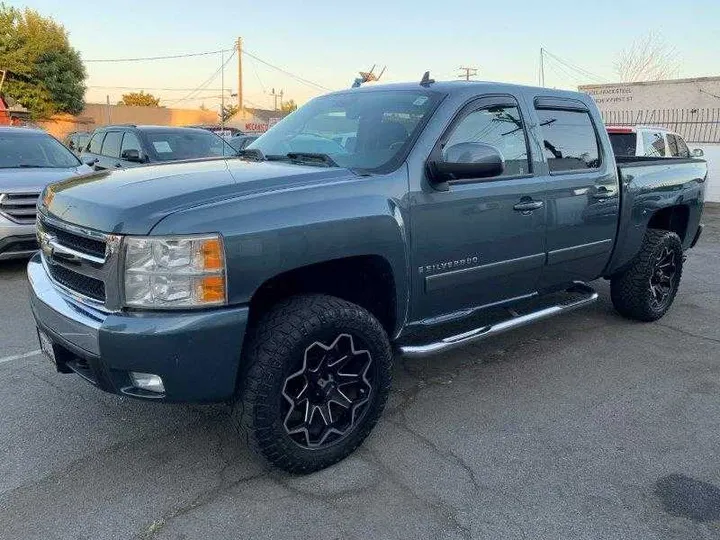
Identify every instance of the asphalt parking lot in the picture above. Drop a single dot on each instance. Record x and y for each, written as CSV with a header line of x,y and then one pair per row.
x,y
583,426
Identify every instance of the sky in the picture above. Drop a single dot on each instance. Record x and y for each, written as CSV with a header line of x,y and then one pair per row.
x,y
328,42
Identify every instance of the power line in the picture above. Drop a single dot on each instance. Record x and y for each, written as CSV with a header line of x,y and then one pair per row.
x,y
152,58
207,81
289,74
141,87
570,65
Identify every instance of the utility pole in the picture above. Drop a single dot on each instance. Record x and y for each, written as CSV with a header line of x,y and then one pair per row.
x,y
2,78
107,101
469,72
276,95
542,67
240,81
222,90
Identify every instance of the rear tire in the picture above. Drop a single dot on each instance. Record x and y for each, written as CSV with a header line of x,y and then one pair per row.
x,y
318,373
646,290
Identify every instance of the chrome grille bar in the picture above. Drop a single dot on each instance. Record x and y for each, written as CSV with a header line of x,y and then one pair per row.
x,y
19,207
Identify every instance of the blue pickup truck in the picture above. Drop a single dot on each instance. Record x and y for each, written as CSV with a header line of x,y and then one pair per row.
x,y
399,219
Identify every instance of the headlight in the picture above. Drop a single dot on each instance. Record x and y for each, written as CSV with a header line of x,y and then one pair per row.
x,y
174,272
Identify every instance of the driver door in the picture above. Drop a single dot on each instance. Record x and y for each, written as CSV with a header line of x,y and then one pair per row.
x,y
480,242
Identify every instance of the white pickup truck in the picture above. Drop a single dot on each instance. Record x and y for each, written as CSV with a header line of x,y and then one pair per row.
x,y
649,141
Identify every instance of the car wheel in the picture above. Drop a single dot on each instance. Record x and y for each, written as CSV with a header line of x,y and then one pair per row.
x,y
317,376
646,290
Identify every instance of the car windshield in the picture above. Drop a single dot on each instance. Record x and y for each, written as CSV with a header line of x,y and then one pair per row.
x,y
26,149
357,130
172,145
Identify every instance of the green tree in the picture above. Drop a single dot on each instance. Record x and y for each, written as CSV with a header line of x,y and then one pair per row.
x,y
229,111
288,106
139,99
44,73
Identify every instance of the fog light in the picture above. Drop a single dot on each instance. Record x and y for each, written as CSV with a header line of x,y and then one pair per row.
x,y
147,381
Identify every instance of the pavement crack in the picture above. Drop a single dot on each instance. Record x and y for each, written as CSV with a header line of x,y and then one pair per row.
x,y
445,511
201,500
687,333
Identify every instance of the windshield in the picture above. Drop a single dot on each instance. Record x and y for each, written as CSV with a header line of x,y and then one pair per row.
x,y
358,130
26,149
172,145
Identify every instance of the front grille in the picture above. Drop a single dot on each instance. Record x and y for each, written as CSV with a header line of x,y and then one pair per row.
x,y
19,207
87,286
79,243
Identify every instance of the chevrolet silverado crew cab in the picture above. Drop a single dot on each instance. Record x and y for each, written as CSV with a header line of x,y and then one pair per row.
x,y
397,219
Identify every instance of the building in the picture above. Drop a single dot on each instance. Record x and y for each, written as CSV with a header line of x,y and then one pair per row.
x,y
11,112
256,120
690,107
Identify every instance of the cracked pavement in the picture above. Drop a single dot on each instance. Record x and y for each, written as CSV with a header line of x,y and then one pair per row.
x,y
558,430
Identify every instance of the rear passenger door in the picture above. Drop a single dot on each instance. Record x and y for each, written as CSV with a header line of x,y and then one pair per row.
x,y
582,192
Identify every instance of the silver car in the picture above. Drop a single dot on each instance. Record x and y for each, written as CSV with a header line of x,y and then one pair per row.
x,y
30,159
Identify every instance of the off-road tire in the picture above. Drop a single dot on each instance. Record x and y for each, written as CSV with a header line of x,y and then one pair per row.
x,y
274,346
631,290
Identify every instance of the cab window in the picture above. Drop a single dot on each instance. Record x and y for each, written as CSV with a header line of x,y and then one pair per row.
x,y
499,126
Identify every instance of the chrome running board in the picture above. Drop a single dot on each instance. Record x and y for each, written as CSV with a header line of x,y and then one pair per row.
x,y
516,321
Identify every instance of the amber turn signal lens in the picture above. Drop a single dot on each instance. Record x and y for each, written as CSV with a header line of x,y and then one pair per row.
x,y
211,289
212,254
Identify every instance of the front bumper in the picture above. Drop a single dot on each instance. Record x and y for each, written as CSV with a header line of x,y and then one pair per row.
x,y
197,354
16,241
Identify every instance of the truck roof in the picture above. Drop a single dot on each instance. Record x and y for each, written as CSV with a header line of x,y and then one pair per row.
x,y
453,87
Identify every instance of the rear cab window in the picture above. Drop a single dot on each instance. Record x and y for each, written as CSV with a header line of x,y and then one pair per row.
x,y
623,144
569,139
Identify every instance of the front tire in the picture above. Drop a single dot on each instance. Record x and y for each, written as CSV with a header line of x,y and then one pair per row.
x,y
318,375
646,290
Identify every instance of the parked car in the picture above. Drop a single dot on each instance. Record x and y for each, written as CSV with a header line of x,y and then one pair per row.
x,y
226,132
648,141
285,283
76,141
240,142
118,147
30,159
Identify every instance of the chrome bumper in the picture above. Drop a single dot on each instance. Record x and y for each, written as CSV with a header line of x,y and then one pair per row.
x,y
73,323
11,233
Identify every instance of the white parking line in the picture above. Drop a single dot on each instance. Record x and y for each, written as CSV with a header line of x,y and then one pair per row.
x,y
19,356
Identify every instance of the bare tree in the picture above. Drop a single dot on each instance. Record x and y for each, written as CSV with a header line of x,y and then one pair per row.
x,y
649,58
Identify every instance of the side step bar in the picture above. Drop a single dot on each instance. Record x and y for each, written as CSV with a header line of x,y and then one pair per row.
x,y
484,332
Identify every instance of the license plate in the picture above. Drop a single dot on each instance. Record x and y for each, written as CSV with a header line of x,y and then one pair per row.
x,y
46,346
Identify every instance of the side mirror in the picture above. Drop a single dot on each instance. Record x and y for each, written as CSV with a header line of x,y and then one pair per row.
x,y
698,152
90,161
132,155
467,160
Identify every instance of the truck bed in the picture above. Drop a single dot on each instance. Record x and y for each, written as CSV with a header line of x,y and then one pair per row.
x,y
648,184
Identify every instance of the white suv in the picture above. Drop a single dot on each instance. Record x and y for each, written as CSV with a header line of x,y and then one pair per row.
x,y
649,141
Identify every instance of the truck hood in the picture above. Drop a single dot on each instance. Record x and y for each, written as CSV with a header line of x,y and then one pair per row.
x,y
133,201
34,180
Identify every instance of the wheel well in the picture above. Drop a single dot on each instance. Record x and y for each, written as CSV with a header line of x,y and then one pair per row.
x,y
364,280
673,218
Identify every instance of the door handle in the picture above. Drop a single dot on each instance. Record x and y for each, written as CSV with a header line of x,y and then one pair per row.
x,y
528,206
603,192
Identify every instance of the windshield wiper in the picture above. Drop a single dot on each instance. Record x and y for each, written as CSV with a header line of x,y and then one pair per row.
x,y
252,153
312,158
